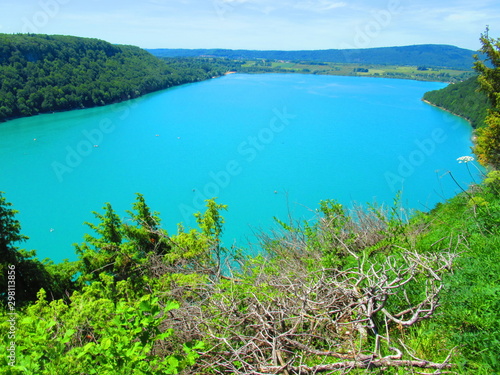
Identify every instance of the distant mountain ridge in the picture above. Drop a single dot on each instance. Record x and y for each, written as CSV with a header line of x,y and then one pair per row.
x,y
430,55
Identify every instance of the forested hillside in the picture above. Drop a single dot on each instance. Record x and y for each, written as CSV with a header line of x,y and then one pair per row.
x,y
44,73
428,55
463,99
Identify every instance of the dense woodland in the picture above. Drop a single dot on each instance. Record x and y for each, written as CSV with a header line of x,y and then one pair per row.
x,y
360,290
463,99
42,73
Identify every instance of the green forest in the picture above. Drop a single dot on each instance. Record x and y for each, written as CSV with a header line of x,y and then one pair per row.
x,y
47,73
358,290
463,99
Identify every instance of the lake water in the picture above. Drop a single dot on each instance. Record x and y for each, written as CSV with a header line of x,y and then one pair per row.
x,y
266,145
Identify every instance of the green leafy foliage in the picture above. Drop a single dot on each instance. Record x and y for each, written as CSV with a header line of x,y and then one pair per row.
x,y
473,303
146,233
470,316
27,273
201,248
462,99
331,234
122,249
488,141
139,247
350,282
118,319
93,334
46,73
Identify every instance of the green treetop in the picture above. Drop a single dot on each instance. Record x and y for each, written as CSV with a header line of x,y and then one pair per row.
x,y
487,146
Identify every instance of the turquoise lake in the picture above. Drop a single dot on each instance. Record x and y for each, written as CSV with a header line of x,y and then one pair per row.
x,y
265,145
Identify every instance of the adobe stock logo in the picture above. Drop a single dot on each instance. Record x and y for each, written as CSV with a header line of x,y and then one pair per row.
x,y
249,150
225,7
76,154
407,164
371,29
89,142
49,9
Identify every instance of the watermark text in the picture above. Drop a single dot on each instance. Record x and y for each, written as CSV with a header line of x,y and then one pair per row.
x,y
11,314
249,150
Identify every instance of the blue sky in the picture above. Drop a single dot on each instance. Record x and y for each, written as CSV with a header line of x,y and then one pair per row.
x,y
258,24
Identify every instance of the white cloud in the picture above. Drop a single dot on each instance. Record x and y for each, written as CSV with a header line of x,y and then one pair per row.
x,y
263,24
319,5
334,5
465,17
235,1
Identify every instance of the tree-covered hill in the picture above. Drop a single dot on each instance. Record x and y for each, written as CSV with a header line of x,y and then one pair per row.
x,y
463,99
45,73
428,55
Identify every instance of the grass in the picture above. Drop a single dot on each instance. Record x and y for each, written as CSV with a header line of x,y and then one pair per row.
x,y
387,71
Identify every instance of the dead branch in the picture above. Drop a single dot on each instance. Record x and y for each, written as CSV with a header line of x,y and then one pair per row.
x,y
376,363
285,318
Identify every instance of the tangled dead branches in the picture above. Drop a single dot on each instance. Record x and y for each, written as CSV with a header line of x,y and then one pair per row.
x,y
322,321
290,315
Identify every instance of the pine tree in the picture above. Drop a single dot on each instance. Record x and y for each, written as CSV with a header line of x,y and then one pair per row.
x,y
104,252
28,274
144,230
121,248
10,232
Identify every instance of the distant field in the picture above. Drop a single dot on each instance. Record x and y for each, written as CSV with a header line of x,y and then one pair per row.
x,y
388,71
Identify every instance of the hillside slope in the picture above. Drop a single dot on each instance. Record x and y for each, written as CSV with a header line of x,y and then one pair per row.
x,y
45,73
429,55
462,99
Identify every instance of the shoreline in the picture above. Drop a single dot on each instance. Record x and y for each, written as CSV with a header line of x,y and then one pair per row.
x,y
8,119
447,110
473,136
